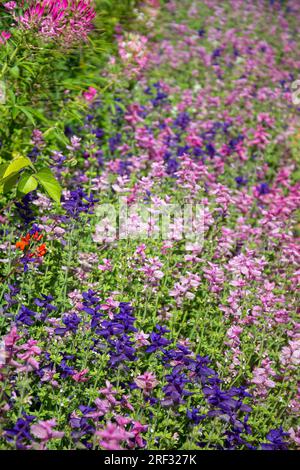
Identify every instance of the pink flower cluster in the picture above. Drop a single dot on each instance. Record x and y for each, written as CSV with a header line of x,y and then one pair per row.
x,y
152,270
262,378
184,288
44,431
4,36
114,435
215,277
146,382
247,265
290,354
10,5
27,353
153,3
67,20
134,54
90,94
121,431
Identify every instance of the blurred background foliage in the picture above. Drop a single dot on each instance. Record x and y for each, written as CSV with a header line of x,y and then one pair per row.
x,y
42,81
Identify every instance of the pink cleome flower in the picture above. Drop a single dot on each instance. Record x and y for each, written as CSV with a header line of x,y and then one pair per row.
x,y
4,36
67,20
90,94
10,5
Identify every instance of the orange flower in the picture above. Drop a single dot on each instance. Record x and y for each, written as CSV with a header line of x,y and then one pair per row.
x,y
21,245
41,250
37,236
24,242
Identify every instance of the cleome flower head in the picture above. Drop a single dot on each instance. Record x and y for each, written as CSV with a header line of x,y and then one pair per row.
x,y
4,36
66,20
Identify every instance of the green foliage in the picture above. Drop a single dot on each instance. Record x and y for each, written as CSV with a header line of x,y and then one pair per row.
x,y
9,172
49,183
36,75
27,183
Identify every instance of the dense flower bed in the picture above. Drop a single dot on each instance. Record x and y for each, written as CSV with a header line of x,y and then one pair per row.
x,y
113,342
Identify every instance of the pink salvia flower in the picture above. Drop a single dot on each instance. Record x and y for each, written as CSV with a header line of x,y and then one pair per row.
x,y
90,94
261,378
146,382
295,435
31,350
137,429
80,377
133,53
106,266
141,339
44,431
112,436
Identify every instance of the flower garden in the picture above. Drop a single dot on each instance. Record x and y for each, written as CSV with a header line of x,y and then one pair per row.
x,y
132,338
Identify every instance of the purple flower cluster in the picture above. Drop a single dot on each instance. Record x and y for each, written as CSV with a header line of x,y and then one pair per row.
x,y
26,316
45,304
227,405
71,322
117,334
20,432
77,203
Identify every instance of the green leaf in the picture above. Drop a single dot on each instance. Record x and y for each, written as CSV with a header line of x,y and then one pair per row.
x,y
37,113
8,183
53,133
27,184
27,113
3,168
49,183
12,96
16,165
15,112
15,71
